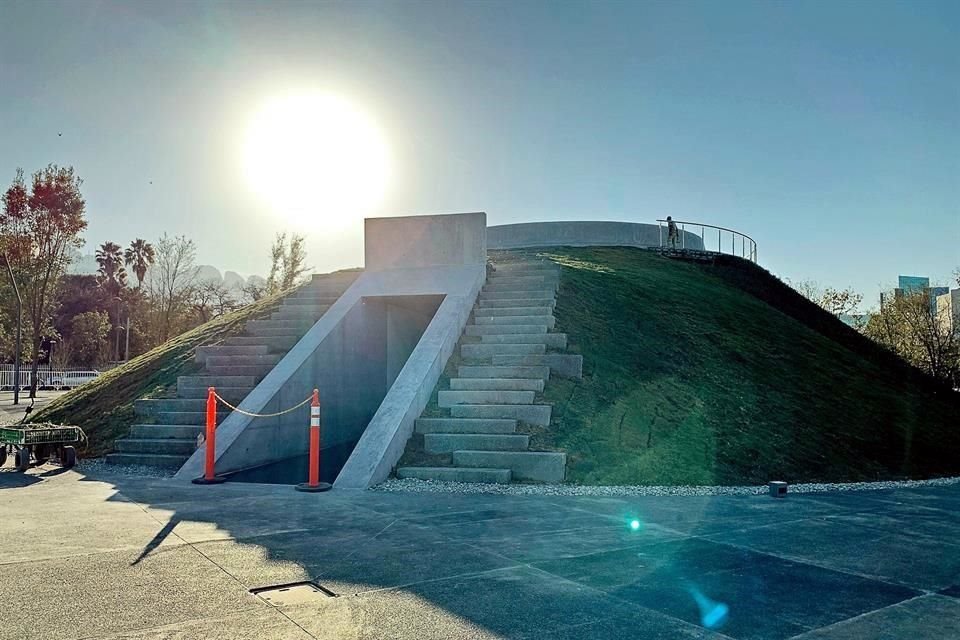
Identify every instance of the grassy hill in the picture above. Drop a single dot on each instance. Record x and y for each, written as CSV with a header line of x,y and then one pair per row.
x,y
721,374
103,408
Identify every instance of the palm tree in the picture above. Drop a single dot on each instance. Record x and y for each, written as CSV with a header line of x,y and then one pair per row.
x,y
139,255
110,258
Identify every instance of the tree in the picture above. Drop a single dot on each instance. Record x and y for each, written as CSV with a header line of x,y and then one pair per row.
x,y
212,299
38,226
287,262
139,255
110,258
170,283
89,342
908,325
836,301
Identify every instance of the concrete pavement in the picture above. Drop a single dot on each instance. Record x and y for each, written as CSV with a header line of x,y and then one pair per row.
x,y
117,556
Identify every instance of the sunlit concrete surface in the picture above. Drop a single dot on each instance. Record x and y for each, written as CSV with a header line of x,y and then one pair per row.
x,y
120,556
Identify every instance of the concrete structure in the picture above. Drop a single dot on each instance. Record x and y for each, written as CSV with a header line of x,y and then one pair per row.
x,y
582,234
948,310
375,354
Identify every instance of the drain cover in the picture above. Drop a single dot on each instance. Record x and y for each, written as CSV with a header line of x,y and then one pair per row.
x,y
282,595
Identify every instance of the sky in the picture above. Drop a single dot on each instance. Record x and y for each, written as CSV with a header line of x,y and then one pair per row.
x,y
827,131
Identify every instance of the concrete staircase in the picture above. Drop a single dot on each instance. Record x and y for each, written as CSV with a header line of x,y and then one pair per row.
x,y
504,366
167,436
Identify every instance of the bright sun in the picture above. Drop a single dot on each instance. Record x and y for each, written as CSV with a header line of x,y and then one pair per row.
x,y
316,159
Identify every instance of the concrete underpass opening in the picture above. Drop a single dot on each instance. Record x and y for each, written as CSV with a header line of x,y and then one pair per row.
x,y
360,364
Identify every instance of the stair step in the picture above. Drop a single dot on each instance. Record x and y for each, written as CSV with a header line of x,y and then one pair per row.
x,y
299,311
524,465
192,418
146,459
154,406
510,311
274,343
233,395
508,278
456,474
257,371
452,398
496,384
276,332
226,361
202,353
465,425
297,324
489,371
516,302
160,431
551,340
164,446
488,350
520,288
547,320
450,442
536,414
505,329
526,267
185,382
542,294
315,299
567,365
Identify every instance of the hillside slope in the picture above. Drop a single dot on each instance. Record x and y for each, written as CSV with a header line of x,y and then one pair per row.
x,y
721,374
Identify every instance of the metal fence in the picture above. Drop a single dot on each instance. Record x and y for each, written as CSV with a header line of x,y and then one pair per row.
x,y
726,241
68,378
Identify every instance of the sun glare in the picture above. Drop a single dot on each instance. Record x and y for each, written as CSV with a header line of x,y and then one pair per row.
x,y
316,159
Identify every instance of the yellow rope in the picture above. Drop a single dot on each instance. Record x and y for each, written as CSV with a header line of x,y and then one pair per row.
x,y
262,415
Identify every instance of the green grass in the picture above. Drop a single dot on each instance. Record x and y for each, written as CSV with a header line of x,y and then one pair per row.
x,y
103,408
720,374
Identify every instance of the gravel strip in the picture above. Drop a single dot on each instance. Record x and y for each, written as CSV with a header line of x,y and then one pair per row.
x,y
436,486
99,467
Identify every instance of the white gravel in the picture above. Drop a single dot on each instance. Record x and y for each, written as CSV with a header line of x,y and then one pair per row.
x,y
434,486
99,467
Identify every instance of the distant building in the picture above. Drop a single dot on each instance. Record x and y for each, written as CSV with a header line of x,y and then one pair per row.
x,y
948,309
907,285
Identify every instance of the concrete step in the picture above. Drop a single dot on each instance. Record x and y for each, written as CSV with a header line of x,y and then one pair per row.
x,y
202,382
511,311
547,320
314,299
274,343
191,418
300,311
165,446
525,267
516,302
450,442
488,371
456,474
277,332
481,350
233,395
151,407
521,289
565,365
503,329
280,324
542,294
509,278
341,279
146,459
551,340
537,414
228,361
202,353
163,431
257,371
452,398
496,384
524,465
465,425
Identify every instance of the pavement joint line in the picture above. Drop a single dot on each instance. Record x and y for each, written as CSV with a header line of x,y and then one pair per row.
x,y
839,623
469,574
244,586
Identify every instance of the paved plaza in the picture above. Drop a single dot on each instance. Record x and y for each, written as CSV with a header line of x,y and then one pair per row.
x,y
104,556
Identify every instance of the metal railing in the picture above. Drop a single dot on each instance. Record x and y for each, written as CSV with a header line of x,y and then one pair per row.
x,y
46,377
727,241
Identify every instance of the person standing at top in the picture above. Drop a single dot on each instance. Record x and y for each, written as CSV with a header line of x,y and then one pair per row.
x,y
673,235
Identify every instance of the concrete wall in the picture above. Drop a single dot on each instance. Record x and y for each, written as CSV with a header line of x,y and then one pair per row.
x,y
356,355
581,234
424,241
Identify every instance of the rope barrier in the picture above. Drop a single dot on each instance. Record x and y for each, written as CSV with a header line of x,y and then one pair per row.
x,y
262,415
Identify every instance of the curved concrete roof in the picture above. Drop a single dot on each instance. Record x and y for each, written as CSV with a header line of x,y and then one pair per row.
x,y
581,234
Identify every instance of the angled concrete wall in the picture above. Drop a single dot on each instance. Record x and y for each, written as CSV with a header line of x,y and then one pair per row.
x,y
425,241
581,234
